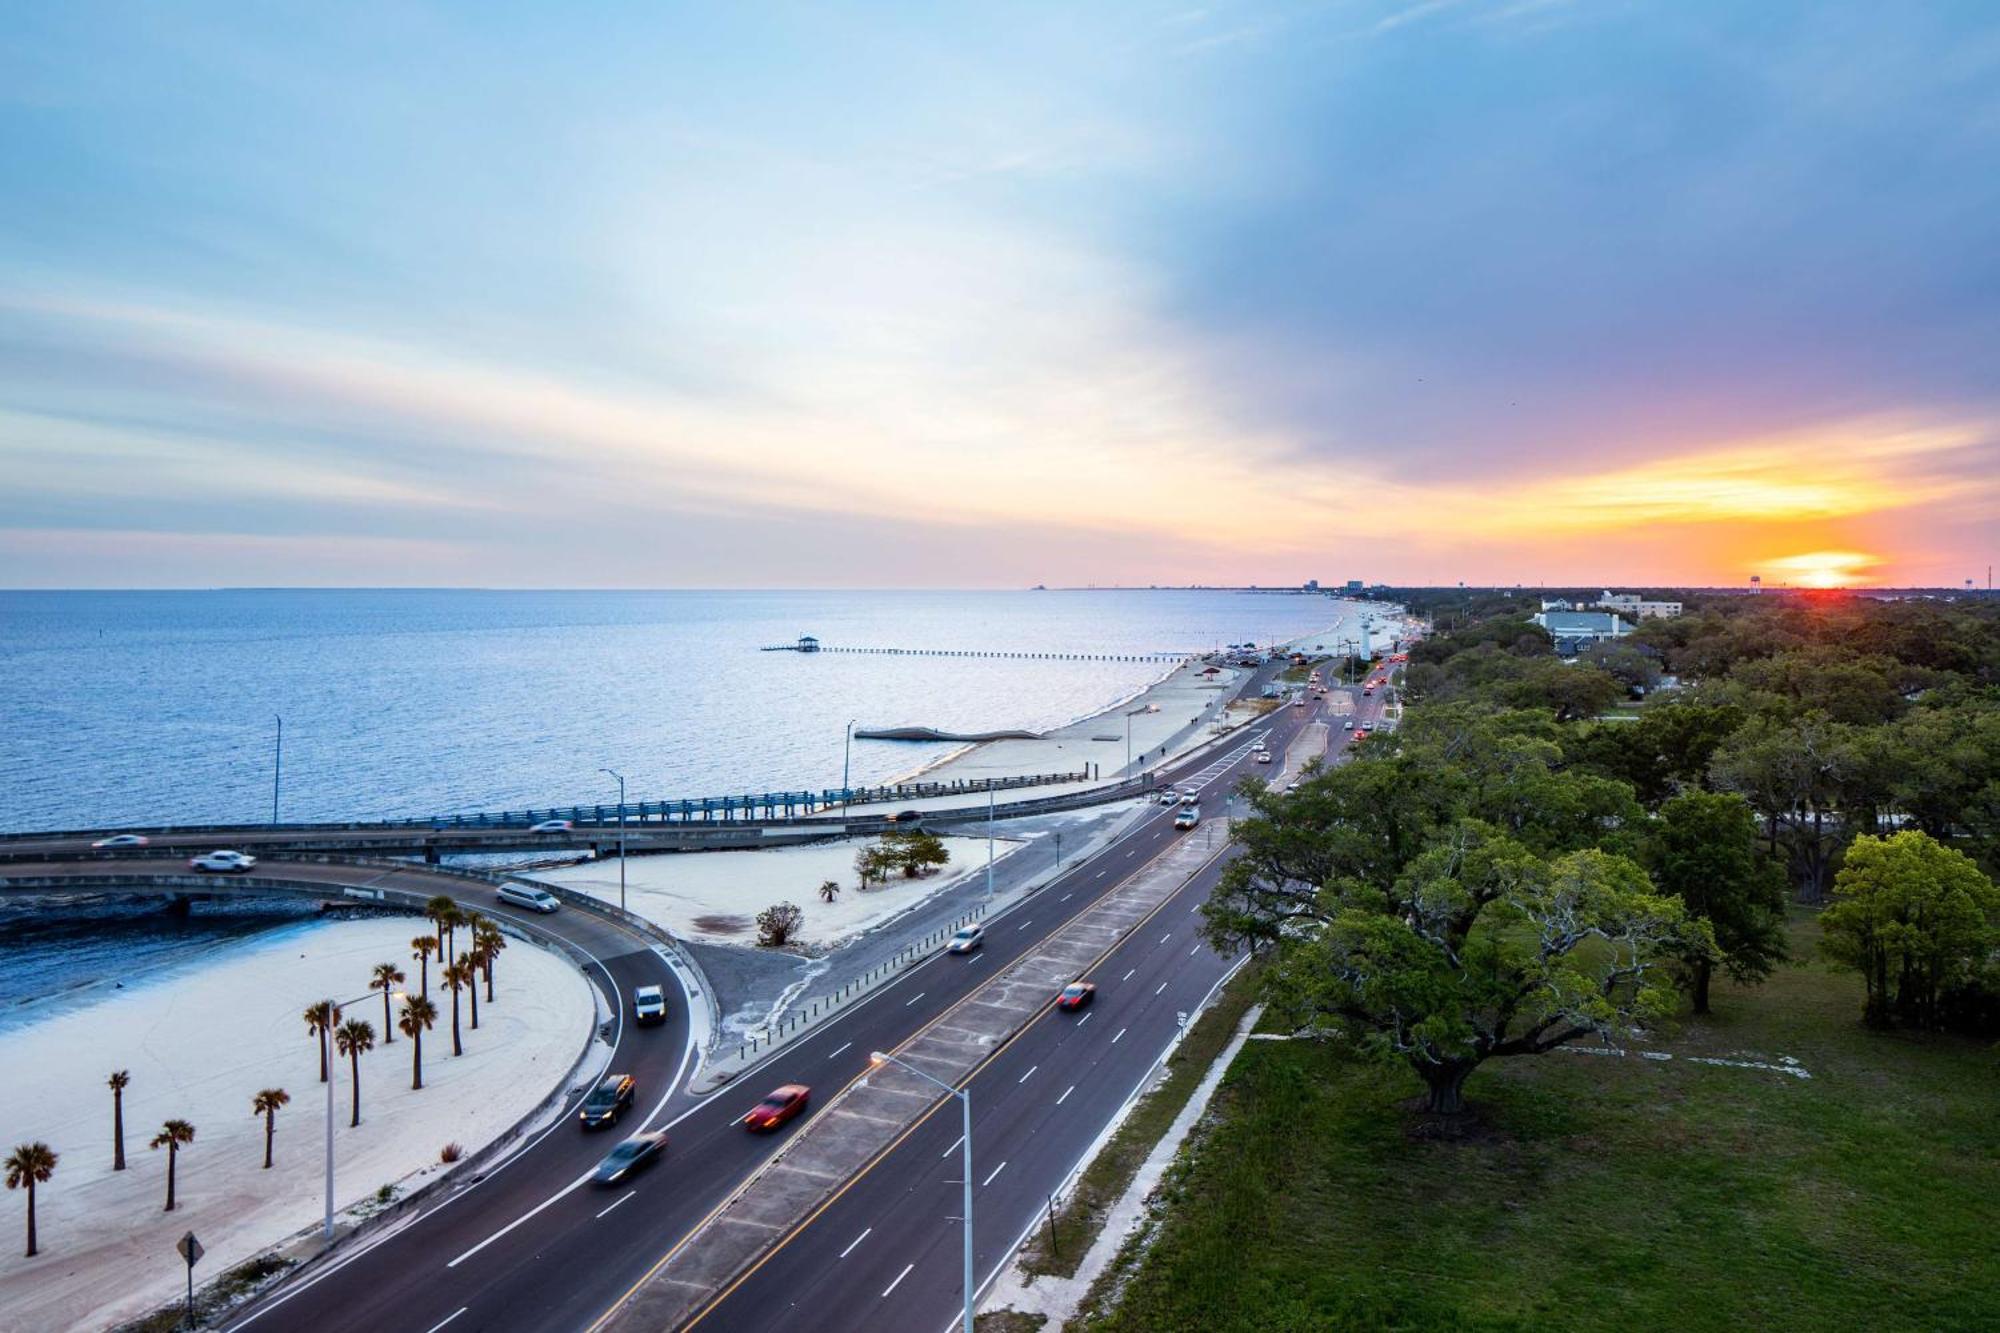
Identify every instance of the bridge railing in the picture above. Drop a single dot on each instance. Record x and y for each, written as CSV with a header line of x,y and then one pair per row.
x,y
762,806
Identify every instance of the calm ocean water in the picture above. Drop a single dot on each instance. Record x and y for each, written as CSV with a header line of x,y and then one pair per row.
x,y
150,707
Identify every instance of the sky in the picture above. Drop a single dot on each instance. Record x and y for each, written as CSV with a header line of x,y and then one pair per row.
x,y
1649,292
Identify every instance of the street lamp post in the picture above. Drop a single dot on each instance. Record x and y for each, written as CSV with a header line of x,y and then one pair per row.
x,y
621,836
847,764
326,1042
989,840
277,767
964,1096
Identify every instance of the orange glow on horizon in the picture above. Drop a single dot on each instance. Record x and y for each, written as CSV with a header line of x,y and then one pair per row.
x,y
1824,569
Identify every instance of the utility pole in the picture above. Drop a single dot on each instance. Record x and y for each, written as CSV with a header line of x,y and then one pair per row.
x,y
989,840
846,763
277,767
621,836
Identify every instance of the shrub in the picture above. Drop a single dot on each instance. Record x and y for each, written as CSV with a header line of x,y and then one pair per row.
x,y
450,1153
778,924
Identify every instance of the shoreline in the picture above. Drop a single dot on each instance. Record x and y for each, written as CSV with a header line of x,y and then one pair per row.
x,y
1350,610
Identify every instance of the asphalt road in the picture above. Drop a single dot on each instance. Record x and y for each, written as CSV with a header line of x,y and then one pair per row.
x,y
550,1251
532,1245
887,1251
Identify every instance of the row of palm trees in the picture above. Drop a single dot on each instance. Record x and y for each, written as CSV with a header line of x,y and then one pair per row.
x,y
461,970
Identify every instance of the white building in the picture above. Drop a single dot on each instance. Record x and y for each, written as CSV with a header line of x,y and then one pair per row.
x,y
1637,607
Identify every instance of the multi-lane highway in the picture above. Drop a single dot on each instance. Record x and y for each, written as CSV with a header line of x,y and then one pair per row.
x,y
532,1245
886,1250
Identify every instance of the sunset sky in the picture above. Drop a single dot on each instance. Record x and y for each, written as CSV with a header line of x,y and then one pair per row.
x,y
1622,291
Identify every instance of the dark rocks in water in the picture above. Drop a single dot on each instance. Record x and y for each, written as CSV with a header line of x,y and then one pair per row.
x,y
933,734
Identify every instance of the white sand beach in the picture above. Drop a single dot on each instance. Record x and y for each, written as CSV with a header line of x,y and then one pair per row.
x,y
714,897
199,1044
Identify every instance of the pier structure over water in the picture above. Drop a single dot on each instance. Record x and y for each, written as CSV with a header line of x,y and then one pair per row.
x,y
808,644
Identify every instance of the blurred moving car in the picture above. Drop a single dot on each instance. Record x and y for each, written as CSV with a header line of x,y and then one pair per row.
x,y
635,1152
1188,817
608,1101
966,940
552,826
535,900
781,1105
123,840
649,1006
222,863
1076,995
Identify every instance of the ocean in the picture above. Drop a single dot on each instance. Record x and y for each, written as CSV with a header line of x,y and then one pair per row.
x,y
141,708
136,708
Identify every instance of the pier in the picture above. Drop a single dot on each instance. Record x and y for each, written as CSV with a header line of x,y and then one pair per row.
x,y
808,644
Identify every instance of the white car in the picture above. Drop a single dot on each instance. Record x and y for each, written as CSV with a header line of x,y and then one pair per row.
x,y
123,840
1189,816
1168,796
222,863
535,900
551,826
1347,725
649,1005
1262,756
1190,798
966,940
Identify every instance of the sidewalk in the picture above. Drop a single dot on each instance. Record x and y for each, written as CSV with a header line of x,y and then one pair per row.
x,y
868,1115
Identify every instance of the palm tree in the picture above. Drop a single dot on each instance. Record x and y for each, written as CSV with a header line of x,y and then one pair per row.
x,y
443,912
421,949
354,1038
266,1104
418,1015
30,1165
472,956
386,978
120,1079
491,942
320,1021
456,975
173,1136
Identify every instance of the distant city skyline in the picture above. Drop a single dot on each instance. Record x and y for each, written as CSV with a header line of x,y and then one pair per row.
x,y
1551,292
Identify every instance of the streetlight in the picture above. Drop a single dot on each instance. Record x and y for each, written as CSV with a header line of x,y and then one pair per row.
x,y
326,1043
964,1096
847,764
621,836
277,767
1130,714
989,840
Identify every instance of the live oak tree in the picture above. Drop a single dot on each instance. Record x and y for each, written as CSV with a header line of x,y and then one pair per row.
x,y
1703,850
1914,917
1446,903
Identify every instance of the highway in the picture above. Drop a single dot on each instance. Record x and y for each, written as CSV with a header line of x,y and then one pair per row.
x,y
532,1245
886,1251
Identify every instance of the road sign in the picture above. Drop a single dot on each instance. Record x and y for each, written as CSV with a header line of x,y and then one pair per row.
x,y
190,1249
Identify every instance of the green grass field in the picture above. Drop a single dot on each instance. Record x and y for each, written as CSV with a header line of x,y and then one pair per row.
x,y
1601,1193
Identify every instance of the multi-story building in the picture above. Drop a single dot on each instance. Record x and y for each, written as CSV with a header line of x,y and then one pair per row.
x,y
1638,608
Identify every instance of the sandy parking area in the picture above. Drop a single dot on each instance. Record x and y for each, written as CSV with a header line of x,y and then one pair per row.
x,y
714,897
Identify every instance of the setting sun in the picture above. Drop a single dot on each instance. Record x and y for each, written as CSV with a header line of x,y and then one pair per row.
x,y
1824,569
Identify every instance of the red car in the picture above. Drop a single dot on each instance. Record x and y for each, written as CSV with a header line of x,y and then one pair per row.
x,y
780,1106
1076,995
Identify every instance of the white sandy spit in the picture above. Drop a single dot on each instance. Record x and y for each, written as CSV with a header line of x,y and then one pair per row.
x,y
198,1046
714,897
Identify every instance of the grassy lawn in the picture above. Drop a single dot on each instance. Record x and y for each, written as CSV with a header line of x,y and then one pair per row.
x,y
1600,1192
